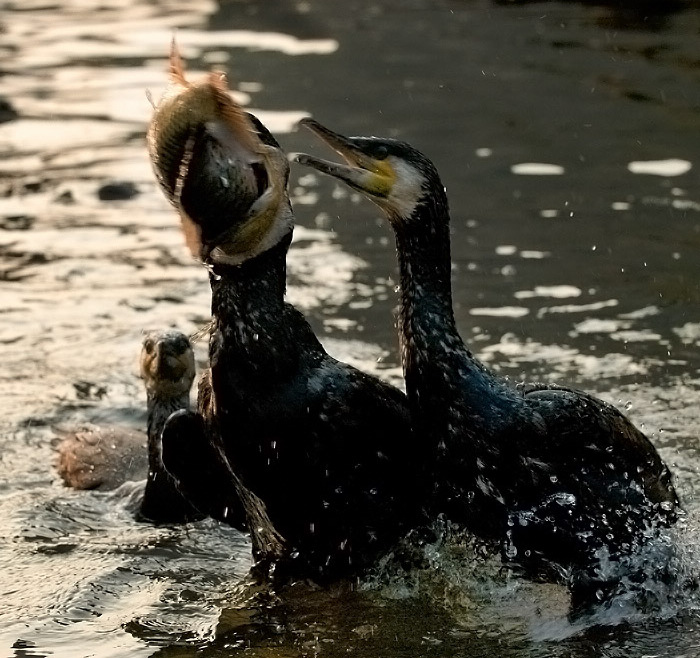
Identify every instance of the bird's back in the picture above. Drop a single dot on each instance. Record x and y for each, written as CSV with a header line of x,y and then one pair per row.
x,y
587,436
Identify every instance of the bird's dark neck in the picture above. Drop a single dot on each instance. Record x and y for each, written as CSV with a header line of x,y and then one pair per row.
x,y
423,247
252,291
162,502
256,334
159,409
444,382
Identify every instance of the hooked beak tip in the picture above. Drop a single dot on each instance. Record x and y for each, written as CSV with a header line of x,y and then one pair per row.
x,y
308,122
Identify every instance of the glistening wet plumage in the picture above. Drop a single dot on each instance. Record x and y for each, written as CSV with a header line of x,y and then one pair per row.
x,y
552,474
328,449
105,457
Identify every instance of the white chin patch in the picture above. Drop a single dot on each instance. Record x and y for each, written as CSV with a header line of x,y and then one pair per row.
x,y
407,189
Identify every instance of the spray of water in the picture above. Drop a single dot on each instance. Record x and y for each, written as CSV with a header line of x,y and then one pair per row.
x,y
660,580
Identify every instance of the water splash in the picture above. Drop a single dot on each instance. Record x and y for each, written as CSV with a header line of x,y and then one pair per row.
x,y
466,577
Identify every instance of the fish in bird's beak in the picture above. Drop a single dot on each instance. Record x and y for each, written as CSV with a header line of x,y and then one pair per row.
x,y
367,170
206,154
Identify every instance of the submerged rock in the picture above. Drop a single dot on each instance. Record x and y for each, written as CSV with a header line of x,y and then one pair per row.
x,y
17,222
118,191
66,197
7,111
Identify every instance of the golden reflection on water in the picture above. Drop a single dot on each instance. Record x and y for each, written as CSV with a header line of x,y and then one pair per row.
x,y
574,234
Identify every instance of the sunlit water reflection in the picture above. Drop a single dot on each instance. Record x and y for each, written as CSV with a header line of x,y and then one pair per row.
x,y
566,136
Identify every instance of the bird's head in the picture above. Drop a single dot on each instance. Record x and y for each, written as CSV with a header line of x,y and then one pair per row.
x,y
391,173
167,364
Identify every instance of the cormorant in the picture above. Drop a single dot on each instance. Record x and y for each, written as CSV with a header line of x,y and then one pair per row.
x,y
552,474
327,448
193,455
103,458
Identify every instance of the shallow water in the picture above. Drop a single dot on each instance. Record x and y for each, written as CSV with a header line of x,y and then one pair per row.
x,y
566,136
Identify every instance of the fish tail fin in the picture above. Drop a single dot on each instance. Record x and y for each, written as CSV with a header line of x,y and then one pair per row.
x,y
176,68
233,114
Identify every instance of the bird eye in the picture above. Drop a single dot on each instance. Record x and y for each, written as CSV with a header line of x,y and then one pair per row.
x,y
380,152
148,345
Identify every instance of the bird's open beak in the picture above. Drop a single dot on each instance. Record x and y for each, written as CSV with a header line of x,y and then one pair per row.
x,y
362,172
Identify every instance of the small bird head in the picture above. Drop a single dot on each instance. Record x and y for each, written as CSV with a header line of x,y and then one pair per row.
x,y
391,173
167,364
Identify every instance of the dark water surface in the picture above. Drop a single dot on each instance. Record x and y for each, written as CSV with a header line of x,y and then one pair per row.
x,y
566,134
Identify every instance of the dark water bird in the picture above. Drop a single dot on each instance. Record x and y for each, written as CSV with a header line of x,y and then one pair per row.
x,y
98,457
193,453
556,476
327,448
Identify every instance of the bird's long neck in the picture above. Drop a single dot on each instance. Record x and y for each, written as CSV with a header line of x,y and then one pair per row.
x,y
426,318
159,409
162,502
438,368
253,292
251,319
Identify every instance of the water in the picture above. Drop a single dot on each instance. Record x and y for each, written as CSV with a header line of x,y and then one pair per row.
x,y
566,136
